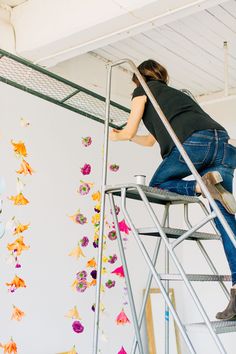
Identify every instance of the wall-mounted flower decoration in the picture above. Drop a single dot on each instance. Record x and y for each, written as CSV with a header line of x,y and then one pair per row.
x,y
9,348
84,241
112,235
114,167
17,314
122,351
20,228
19,199
78,218
119,271
72,351
124,227
86,141
77,252
25,168
19,148
77,327
96,196
86,169
74,314
122,319
15,284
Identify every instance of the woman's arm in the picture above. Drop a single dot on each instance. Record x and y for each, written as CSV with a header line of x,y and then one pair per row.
x,y
130,130
144,140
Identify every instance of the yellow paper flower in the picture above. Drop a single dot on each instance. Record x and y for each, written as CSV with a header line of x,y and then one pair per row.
x,y
95,219
96,196
74,284
25,168
74,314
18,246
17,314
72,351
20,228
9,348
91,263
77,252
19,148
19,199
105,259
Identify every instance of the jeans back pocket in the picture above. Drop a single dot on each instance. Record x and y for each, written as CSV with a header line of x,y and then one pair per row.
x,y
197,152
229,158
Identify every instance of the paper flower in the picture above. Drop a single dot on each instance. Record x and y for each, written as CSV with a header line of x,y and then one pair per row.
x,y
77,327
81,286
73,314
95,244
92,283
110,283
124,227
19,148
9,348
20,228
25,168
112,259
84,189
114,167
117,210
18,246
19,199
78,218
72,351
84,241
81,275
122,318
95,219
96,196
15,284
122,351
91,263
102,307
17,314
112,235
119,271
94,274
86,141
86,169
97,208
77,252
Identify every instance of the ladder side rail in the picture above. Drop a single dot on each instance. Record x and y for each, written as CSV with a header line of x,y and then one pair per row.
x,y
167,287
202,248
180,269
127,278
156,276
149,280
179,147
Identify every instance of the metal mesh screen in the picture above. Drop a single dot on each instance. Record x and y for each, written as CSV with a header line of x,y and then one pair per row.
x,y
28,77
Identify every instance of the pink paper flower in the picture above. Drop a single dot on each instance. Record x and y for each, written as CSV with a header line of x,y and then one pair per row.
x,y
86,169
110,283
124,227
117,209
112,259
112,235
77,327
114,167
119,271
84,241
122,351
86,141
122,318
80,219
81,286
84,188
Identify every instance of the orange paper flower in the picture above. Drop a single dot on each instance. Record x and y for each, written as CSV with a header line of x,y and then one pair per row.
x,y
96,196
77,252
74,314
17,314
19,199
72,351
18,246
25,168
91,263
16,283
92,283
9,348
19,148
122,318
20,228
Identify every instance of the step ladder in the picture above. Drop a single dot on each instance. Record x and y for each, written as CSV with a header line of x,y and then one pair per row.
x,y
170,237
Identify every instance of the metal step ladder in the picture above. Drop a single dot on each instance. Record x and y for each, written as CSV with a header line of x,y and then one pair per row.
x,y
170,237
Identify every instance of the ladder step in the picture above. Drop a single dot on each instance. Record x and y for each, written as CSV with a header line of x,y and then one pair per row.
x,y
175,233
196,277
154,195
218,326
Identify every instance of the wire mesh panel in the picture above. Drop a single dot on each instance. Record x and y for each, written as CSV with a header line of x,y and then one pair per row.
x,y
31,78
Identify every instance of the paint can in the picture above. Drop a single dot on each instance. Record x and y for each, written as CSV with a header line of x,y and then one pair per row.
x,y
140,179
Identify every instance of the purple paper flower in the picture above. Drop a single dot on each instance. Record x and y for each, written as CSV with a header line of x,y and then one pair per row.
x,y
112,259
86,169
84,241
110,283
95,244
94,274
17,265
81,286
77,327
86,141
93,307
112,235
117,209
81,275
114,167
80,219
84,188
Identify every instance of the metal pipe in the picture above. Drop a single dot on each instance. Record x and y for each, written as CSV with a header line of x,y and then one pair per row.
x,y
102,215
127,278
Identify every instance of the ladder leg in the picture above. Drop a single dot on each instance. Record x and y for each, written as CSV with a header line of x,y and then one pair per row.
x,y
149,281
202,248
156,275
180,268
127,279
167,314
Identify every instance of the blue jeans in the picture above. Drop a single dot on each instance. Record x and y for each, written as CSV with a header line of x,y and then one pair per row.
x,y
209,151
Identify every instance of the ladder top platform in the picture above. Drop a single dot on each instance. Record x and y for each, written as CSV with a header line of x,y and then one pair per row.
x,y
154,195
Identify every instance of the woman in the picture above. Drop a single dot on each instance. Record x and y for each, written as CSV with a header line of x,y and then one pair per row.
x,y
205,141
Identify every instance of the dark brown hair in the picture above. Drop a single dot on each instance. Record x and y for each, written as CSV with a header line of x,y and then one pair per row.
x,y
151,70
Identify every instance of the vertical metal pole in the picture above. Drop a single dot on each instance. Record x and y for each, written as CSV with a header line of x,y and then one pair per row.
x,y
226,68
102,214
127,278
167,312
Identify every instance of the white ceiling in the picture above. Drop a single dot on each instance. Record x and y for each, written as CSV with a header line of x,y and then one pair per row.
x,y
190,48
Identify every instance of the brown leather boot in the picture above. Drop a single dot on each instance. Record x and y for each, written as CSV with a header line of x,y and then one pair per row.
x,y
230,312
218,192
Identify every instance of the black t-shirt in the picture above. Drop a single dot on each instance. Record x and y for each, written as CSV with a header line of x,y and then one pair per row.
x,y
183,113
